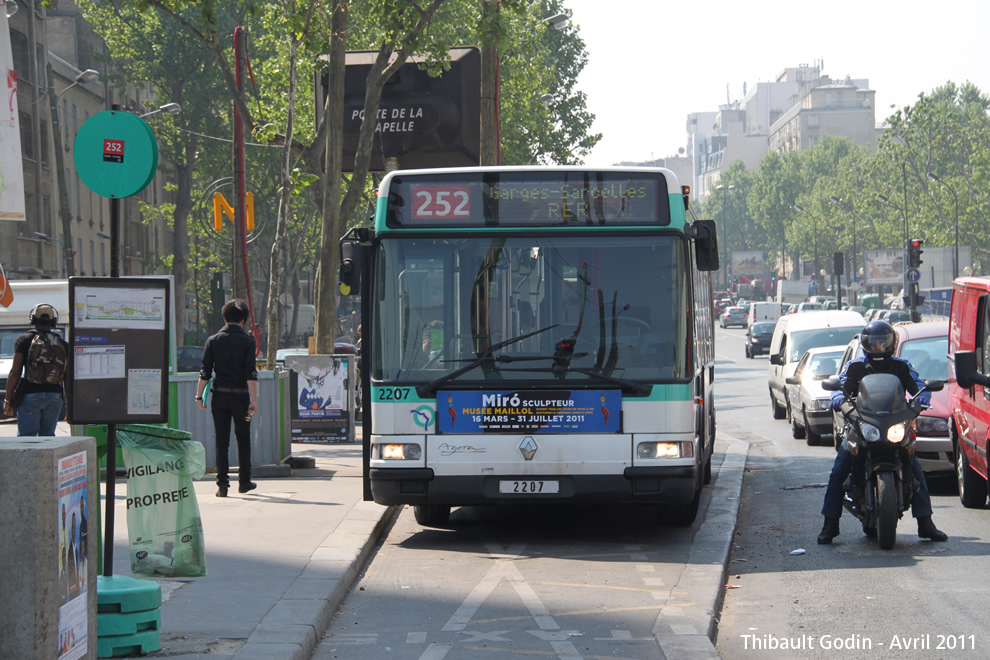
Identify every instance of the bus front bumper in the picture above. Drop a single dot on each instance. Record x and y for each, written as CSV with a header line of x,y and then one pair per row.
x,y
666,485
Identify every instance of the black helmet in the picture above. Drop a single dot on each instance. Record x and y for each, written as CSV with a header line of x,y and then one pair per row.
x,y
44,314
878,339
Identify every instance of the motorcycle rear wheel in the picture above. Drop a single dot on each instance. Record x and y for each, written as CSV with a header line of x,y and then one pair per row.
x,y
886,510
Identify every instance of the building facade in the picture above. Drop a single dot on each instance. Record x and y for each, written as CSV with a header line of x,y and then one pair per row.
x,y
52,51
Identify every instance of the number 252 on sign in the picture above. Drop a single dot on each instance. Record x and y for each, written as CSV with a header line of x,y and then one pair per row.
x,y
441,202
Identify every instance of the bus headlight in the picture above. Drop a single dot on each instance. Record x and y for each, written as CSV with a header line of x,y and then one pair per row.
x,y
665,450
400,452
896,432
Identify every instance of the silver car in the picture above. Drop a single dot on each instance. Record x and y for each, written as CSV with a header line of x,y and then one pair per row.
x,y
808,404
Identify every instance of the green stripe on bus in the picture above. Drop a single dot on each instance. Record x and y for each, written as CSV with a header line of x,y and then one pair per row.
x,y
670,392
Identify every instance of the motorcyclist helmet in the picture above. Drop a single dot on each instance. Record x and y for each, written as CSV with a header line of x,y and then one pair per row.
x,y
44,315
878,340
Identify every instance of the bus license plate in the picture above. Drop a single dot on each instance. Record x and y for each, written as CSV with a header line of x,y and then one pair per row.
x,y
530,487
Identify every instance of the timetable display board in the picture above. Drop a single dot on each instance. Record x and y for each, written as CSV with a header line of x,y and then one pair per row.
x,y
118,343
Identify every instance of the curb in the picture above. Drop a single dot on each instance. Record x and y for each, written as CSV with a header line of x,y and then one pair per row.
x,y
688,629
293,628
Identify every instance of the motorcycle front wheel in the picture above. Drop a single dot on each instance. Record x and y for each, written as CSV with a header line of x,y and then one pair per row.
x,y
886,510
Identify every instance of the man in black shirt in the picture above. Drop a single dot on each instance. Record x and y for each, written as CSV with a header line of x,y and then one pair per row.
x,y
230,355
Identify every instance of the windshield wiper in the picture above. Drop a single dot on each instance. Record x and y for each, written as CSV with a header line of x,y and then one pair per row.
x,y
636,388
429,389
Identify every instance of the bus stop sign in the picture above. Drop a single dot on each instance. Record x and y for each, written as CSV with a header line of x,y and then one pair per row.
x,y
116,154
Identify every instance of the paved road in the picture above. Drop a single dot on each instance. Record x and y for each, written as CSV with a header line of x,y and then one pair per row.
x,y
862,601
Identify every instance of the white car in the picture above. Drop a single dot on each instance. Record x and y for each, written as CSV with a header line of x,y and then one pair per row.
x,y
807,403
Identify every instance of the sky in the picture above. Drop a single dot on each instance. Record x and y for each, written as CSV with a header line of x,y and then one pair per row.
x,y
651,63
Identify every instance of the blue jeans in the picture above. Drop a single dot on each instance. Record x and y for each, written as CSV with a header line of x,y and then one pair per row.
x,y
921,501
38,414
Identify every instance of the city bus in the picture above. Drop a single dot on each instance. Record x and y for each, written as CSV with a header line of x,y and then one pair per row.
x,y
535,334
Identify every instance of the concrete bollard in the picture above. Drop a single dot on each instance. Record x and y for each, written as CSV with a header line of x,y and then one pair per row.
x,y
49,497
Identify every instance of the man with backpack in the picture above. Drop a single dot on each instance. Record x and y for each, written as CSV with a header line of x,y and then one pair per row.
x,y
43,357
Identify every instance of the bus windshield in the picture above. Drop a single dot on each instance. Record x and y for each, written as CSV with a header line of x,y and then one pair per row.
x,y
573,309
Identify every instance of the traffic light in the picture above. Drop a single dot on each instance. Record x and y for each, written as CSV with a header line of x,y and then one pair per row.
x,y
914,252
837,263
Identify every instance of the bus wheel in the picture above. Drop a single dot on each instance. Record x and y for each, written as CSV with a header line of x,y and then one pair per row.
x,y
679,515
431,515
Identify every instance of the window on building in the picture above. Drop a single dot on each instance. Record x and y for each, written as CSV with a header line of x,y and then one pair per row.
x,y
79,259
46,211
27,137
92,257
22,61
44,144
813,121
103,259
68,189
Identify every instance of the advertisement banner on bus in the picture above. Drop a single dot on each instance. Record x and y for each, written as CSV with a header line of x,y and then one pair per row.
x,y
551,411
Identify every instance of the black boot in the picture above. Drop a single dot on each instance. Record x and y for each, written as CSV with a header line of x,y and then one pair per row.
x,y
928,530
829,531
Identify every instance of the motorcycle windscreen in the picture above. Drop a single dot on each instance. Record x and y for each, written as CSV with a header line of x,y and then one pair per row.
x,y
881,393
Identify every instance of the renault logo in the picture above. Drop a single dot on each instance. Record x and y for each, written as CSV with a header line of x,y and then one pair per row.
x,y
528,448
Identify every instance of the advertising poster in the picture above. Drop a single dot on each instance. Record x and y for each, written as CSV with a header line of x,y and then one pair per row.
x,y
319,387
11,177
73,614
883,267
747,263
554,411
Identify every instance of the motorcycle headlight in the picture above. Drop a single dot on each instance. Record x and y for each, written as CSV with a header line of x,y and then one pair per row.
x,y
869,432
897,432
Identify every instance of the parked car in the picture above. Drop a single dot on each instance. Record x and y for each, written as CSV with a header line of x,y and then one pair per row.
x,y
808,307
795,334
733,316
893,316
969,386
758,338
807,403
188,358
925,346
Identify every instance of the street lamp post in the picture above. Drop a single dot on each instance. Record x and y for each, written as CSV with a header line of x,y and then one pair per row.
x,y
955,198
801,209
63,191
170,108
726,253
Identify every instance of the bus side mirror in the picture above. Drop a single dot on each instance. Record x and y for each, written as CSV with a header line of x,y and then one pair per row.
x,y
967,374
705,244
351,254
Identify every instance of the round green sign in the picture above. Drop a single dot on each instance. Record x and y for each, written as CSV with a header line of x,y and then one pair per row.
x,y
116,154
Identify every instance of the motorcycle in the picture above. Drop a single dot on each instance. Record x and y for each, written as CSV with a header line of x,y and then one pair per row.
x,y
879,435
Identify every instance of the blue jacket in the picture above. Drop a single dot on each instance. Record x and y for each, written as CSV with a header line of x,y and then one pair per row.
x,y
857,368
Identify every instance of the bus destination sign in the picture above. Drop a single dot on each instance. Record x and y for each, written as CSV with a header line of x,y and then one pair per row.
x,y
526,199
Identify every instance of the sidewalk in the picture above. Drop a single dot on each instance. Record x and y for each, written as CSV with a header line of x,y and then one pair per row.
x,y
280,559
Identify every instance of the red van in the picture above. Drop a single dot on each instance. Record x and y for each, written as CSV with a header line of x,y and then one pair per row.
x,y
969,386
